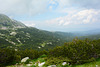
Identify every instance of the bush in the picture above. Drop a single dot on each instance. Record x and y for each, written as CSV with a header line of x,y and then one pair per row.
x,y
60,65
56,60
27,61
79,51
7,56
18,58
43,56
32,54
75,52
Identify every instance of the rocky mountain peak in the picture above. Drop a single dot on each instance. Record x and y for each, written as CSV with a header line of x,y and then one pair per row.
x,y
7,23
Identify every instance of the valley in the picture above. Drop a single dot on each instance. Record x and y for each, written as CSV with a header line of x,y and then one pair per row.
x,y
18,41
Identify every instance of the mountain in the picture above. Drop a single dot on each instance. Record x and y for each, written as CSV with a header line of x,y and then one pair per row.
x,y
14,34
91,37
7,23
29,37
88,32
93,32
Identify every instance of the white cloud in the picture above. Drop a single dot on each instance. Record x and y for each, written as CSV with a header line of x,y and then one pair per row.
x,y
63,3
95,4
23,7
61,22
66,23
50,7
85,16
32,7
52,2
29,23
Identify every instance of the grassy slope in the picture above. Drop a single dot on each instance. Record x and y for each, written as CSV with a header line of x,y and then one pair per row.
x,y
92,64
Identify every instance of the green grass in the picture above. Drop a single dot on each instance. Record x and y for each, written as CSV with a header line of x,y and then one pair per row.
x,y
91,64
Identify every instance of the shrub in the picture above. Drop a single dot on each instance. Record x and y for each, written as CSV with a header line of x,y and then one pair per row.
x,y
79,51
27,61
18,58
43,56
56,60
7,56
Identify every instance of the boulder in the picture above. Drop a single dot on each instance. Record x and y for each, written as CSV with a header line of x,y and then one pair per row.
x,y
29,65
52,66
41,64
96,65
64,63
24,59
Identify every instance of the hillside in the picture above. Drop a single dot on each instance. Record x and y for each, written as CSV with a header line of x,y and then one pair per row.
x,y
14,34
29,38
77,53
91,37
16,41
7,23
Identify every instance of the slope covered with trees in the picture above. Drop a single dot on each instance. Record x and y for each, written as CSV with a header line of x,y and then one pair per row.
x,y
29,38
75,52
14,34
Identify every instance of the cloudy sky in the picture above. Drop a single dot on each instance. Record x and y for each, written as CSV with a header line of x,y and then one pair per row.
x,y
54,15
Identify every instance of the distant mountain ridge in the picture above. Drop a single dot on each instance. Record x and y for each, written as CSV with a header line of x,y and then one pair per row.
x,y
7,23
